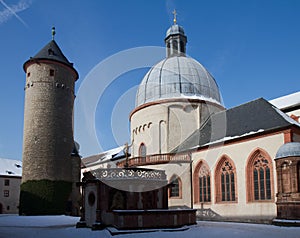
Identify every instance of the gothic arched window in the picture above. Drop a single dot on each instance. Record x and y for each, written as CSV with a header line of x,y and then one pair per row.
x,y
142,150
202,183
175,187
259,176
225,178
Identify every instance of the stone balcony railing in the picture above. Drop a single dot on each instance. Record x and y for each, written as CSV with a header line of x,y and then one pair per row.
x,y
155,159
129,173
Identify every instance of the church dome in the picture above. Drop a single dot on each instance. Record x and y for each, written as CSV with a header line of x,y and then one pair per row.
x,y
178,77
291,149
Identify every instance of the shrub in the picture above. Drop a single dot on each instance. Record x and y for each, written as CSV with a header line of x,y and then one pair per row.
x,y
44,197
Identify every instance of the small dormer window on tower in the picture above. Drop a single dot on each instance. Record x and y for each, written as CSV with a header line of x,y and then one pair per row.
x,y
50,52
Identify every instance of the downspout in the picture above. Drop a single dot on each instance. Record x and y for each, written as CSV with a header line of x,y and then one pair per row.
x,y
191,180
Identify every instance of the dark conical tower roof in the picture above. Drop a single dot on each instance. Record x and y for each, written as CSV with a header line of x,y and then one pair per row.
x,y
51,51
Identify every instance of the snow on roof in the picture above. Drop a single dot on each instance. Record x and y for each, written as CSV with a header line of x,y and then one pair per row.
x,y
104,156
286,117
10,167
226,138
287,101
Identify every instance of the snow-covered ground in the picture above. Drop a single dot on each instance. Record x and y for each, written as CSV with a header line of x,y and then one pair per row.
x,y
13,226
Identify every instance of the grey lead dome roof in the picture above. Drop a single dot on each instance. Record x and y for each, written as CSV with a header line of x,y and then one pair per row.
x,y
288,150
175,29
178,77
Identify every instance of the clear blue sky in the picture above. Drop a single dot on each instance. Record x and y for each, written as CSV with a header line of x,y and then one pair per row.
x,y
251,48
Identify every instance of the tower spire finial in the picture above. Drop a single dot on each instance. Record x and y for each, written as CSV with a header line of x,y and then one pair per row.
x,y
175,17
53,32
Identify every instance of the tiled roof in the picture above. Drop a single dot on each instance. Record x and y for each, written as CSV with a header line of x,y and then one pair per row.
x,y
250,118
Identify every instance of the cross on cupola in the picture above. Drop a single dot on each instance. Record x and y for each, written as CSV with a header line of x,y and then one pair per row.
x,y
175,16
175,39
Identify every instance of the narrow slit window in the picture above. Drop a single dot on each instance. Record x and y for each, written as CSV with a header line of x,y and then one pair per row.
x,y
232,186
255,177
208,188
223,186
262,183
200,189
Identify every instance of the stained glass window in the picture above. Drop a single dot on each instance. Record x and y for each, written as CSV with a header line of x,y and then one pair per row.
x,y
204,184
261,178
227,181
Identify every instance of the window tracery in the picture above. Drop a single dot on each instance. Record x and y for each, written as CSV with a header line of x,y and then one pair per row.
x,y
226,181
204,184
259,174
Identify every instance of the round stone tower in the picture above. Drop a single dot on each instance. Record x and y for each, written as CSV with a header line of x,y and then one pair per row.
x,y
48,127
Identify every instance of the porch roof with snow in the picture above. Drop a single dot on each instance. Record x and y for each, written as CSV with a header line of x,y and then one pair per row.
x,y
103,157
258,116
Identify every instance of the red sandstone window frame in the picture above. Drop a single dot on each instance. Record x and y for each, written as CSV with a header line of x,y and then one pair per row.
x,y
201,165
256,154
173,178
230,190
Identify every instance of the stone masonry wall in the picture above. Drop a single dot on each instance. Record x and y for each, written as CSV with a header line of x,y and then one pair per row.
x,y
48,115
